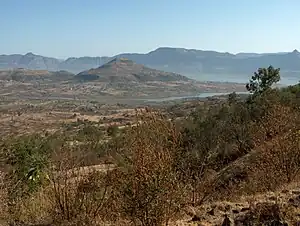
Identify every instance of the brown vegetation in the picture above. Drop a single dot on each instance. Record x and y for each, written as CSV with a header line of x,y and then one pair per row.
x,y
238,157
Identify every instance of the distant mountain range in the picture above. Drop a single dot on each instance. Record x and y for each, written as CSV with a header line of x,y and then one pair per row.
x,y
118,70
189,62
119,78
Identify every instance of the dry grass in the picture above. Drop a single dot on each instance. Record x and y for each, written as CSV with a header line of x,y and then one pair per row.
x,y
3,198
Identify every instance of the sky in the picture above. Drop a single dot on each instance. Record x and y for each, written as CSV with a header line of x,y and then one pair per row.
x,y
73,28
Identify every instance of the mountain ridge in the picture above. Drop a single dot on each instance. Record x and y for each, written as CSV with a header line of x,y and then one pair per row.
x,y
189,62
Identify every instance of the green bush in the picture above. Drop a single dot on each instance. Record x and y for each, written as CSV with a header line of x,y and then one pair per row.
x,y
112,131
28,157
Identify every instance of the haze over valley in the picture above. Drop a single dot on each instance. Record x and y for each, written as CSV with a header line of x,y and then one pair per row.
x,y
120,79
197,64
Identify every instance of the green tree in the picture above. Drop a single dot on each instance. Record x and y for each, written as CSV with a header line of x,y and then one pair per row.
x,y
232,98
263,80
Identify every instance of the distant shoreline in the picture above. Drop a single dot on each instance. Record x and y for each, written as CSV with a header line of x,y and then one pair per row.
x,y
201,95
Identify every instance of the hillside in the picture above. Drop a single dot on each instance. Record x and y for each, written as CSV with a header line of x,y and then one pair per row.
x,y
120,78
28,75
235,161
189,62
124,70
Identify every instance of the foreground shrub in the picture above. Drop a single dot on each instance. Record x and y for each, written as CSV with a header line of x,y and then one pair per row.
x,y
149,188
79,196
277,163
26,159
73,196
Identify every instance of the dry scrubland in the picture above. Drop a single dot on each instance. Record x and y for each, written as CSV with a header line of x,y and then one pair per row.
x,y
231,162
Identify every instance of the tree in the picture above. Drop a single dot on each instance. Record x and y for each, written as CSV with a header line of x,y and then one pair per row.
x,y
263,80
232,98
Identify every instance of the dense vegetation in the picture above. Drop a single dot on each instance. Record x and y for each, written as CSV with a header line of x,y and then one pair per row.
x,y
158,166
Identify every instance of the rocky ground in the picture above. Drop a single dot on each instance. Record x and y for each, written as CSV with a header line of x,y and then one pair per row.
x,y
272,208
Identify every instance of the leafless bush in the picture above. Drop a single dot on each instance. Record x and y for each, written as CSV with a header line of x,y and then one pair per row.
x,y
149,188
78,194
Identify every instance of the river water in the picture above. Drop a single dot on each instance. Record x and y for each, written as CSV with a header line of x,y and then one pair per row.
x,y
200,95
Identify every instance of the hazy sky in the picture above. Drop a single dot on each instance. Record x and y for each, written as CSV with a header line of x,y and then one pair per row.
x,y
63,28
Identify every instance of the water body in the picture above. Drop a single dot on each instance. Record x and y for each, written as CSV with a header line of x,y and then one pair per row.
x,y
200,95
286,79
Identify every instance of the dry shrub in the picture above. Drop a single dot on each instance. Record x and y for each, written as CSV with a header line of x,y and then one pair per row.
x,y
275,159
277,163
33,209
278,119
73,196
149,190
3,197
79,195
228,185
